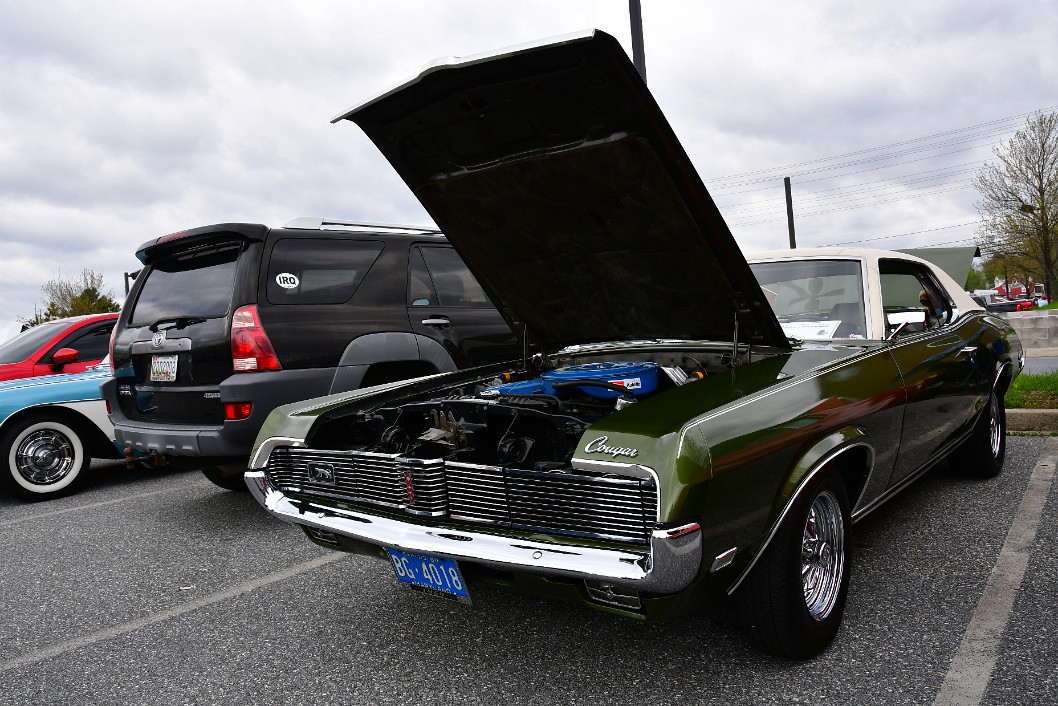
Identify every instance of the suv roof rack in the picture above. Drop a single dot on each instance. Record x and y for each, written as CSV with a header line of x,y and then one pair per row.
x,y
313,223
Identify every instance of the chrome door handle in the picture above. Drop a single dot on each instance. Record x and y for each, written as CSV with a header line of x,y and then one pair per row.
x,y
437,321
968,350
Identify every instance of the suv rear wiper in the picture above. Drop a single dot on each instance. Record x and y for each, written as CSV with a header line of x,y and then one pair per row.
x,y
176,321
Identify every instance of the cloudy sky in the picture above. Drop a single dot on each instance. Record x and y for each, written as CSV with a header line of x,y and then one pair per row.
x,y
123,120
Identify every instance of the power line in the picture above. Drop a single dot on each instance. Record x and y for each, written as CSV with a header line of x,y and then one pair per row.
x,y
834,199
849,208
884,147
901,179
914,232
865,161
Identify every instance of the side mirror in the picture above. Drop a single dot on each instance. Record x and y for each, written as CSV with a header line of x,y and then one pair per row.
x,y
64,356
906,322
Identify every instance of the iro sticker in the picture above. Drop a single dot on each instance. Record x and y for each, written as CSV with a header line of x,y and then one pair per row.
x,y
628,383
287,280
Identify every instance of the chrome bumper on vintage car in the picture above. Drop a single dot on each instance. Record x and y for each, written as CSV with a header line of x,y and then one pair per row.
x,y
667,564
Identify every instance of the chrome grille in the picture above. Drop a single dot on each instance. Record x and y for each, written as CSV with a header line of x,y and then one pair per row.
x,y
561,502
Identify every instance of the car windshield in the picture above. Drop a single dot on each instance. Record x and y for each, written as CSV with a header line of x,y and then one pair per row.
x,y
815,298
24,344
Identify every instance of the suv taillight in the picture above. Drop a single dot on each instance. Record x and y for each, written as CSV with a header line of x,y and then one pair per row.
x,y
250,348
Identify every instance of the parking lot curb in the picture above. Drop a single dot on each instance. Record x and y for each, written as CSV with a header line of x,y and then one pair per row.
x,y
1032,420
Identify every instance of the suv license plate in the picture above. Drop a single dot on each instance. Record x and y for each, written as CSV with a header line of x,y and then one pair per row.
x,y
431,574
163,368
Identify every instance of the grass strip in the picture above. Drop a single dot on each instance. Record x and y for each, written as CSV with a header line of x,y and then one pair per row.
x,y
1033,392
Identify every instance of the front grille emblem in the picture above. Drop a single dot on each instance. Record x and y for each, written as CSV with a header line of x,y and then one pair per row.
x,y
158,339
411,490
322,473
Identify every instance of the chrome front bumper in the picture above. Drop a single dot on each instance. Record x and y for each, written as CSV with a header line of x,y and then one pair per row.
x,y
668,565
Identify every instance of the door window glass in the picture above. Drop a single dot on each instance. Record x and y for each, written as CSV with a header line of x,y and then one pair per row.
x,y
318,271
910,293
450,278
90,345
420,287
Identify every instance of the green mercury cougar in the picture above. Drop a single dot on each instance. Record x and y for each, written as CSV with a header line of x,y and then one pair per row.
x,y
685,424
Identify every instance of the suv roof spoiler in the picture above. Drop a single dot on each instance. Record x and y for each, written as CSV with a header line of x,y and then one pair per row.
x,y
313,223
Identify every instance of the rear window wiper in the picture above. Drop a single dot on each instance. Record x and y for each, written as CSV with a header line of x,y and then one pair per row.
x,y
176,321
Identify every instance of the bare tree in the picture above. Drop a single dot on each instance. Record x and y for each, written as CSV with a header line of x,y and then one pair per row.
x,y
1019,206
73,297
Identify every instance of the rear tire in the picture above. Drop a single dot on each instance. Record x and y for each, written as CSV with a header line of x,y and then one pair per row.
x,y
229,482
43,457
983,451
795,596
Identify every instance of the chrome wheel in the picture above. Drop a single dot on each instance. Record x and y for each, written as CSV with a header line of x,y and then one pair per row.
x,y
823,555
995,425
45,456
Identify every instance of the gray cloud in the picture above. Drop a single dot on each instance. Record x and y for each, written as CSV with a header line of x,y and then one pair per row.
x,y
123,121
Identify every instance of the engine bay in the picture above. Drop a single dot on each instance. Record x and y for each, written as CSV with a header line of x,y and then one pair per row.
x,y
530,420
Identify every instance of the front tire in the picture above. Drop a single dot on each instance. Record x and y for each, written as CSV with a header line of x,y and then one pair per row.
x,y
794,598
43,458
983,451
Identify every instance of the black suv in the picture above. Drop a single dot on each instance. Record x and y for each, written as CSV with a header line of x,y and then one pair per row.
x,y
227,322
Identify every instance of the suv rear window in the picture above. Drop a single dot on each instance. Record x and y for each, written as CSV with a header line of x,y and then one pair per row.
x,y
199,284
317,271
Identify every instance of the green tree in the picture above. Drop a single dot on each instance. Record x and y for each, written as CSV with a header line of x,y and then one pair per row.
x,y
976,279
74,297
1019,202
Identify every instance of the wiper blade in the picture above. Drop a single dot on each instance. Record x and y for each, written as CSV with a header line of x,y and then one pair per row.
x,y
177,322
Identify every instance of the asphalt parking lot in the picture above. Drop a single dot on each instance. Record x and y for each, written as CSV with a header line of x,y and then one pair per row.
x,y
155,587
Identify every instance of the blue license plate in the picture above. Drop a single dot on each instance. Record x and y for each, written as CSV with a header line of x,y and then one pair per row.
x,y
429,573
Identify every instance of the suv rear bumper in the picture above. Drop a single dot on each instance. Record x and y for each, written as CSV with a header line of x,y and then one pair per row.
x,y
266,390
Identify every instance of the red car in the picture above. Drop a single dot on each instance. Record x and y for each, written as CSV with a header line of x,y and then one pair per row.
x,y
69,345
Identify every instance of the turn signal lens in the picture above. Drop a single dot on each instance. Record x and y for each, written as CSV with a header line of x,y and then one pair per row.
x,y
250,348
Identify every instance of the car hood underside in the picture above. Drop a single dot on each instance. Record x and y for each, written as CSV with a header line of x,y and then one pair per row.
x,y
556,176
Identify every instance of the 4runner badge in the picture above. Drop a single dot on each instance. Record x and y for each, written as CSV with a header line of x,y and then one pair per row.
x,y
158,339
598,446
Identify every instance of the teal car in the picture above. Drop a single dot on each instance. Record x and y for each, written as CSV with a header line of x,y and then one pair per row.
x,y
686,425
50,429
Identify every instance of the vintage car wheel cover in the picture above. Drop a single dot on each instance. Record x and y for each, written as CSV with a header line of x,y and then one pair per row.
x,y
823,555
45,455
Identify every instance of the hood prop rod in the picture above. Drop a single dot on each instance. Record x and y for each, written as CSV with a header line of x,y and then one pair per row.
x,y
740,307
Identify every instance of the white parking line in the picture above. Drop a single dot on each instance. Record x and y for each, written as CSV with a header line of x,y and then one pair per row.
x,y
973,664
124,628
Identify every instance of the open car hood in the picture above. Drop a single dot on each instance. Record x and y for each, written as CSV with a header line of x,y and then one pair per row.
x,y
555,175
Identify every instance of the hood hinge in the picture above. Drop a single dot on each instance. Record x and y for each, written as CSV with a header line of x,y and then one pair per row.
x,y
741,309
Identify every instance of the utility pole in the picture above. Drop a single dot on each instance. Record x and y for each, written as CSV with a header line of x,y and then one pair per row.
x,y
789,212
635,14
